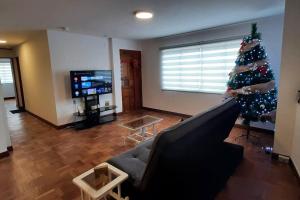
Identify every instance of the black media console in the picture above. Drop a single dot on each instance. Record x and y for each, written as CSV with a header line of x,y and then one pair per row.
x,y
93,114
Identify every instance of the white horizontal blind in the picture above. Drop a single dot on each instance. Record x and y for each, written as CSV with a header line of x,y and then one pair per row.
x,y
198,68
5,71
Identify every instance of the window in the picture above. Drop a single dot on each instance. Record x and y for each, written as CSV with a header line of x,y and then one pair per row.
x,y
5,71
198,68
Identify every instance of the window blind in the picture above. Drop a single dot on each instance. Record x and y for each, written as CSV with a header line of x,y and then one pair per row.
x,y
198,68
5,71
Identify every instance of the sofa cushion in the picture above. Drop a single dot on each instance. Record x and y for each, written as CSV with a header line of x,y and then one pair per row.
x,y
134,161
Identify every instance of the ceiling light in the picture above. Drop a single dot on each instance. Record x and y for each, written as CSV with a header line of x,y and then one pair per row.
x,y
64,28
143,15
3,41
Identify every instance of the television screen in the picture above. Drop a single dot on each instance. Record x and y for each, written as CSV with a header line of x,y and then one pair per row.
x,y
91,82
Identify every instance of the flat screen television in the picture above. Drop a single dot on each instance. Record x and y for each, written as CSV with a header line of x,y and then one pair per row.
x,y
90,82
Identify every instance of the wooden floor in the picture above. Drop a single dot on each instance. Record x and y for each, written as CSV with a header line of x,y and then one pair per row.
x,y
45,161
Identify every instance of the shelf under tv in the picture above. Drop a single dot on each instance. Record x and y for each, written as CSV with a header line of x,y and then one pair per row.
x,y
101,109
84,124
94,114
107,118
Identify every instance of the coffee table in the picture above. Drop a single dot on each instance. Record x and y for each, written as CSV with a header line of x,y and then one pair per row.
x,y
98,185
138,128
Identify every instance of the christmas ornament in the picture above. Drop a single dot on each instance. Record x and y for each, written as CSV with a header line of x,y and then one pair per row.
x,y
262,106
262,69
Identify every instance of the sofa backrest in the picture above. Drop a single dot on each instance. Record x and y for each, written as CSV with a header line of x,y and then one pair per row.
x,y
184,149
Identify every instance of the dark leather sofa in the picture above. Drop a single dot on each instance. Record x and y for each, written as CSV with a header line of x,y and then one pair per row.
x,y
187,161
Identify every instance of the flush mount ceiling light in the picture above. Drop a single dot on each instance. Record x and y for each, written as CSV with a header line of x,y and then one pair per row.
x,y
143,15
3,41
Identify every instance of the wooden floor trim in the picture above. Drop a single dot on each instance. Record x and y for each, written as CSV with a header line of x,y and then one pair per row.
x,y
254,128
150,109
167,112
291,162
42,119
275,156
4,154
10,148
188,116
59,126
50,123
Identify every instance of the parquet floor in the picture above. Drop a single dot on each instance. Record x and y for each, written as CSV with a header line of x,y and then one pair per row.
x,y
45,160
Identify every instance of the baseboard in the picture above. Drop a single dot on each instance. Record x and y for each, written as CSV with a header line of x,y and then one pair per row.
x,y
280,157
188,116
294,169
120,113
150,109
167,112
4,154
58,126
254,128
42,119
50,123
9,98
10,148
68,125
276,156
22,108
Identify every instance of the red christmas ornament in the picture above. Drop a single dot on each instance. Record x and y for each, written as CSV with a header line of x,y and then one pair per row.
x,y
243,44
262,69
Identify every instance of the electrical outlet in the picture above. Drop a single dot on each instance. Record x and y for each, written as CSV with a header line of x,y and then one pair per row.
x,y
106,103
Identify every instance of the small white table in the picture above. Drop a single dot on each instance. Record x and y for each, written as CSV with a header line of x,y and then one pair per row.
x,y
139,126
89,192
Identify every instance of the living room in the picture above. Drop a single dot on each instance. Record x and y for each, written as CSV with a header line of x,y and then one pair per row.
x,y
52,131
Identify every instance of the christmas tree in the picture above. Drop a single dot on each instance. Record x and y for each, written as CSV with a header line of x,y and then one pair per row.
x,y
251,82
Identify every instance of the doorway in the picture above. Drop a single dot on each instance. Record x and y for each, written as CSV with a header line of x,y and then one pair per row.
x,y
131,77
11,81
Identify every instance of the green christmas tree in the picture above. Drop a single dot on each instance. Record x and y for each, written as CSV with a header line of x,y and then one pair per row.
x,y
252,82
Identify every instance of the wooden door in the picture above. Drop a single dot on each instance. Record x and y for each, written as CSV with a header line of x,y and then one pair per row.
x,y
131,78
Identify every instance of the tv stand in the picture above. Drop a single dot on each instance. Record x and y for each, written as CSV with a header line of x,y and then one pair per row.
x,y
93,114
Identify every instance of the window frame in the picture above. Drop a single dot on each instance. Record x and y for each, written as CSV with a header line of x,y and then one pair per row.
x,y
228,39
11,70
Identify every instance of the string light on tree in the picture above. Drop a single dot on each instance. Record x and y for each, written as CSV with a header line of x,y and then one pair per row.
x,y
251,82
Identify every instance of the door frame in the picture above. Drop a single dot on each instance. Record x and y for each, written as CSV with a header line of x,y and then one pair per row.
x,y
14,81
22,99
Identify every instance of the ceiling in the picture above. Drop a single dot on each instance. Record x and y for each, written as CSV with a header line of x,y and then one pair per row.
x,y
114,18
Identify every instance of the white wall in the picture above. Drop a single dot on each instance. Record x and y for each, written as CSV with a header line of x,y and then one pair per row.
x,y
8,90
70,51
4,133
46,61
37,77
116,45
287,135
192,103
